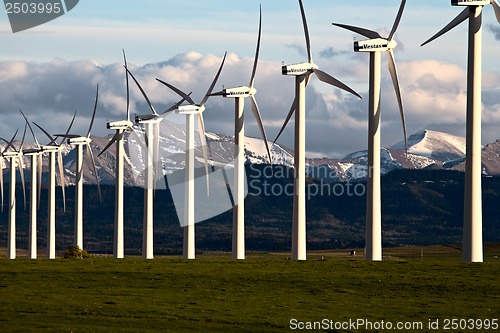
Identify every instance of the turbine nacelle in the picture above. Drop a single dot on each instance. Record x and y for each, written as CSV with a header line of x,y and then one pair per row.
x,y
82,140
50,149
377,44
243,91
298,69
470,2
190,109
147,119
119,125
34,151
11,154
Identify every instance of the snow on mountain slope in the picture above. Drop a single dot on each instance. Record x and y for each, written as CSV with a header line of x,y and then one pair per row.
x,y
435,145
425,149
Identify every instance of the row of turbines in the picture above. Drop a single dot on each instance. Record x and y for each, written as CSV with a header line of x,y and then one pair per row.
x,y
374,45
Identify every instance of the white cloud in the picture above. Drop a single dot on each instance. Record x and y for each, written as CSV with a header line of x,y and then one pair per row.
x,y
434,95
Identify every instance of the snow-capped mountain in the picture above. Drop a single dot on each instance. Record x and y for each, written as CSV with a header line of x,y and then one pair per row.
x,y
426,149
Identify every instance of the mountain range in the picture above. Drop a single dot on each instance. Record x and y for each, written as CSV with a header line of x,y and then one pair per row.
x,y
426,149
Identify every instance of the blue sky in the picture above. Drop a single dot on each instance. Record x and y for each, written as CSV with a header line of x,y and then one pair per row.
x,y
183,41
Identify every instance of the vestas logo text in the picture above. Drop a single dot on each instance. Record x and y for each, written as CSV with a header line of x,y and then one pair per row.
x,y
377,46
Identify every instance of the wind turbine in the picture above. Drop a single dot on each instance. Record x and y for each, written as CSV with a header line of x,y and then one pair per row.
x,y
375,46
151,123
79,142
15,158
190,111
473,216
36,178
239,94
302,73
53,148
120,127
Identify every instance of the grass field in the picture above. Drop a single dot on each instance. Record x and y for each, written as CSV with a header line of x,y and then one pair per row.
x,y
261,294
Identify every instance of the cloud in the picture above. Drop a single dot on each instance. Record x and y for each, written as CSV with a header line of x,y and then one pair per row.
x,y
299,48
495,30
331,52
434,97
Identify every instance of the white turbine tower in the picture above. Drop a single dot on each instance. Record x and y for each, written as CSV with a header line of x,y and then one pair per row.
x,y
53,148
79,142
151,122
302,73
15,158
190,111
375,46
120,127
473,216
36,181
239,94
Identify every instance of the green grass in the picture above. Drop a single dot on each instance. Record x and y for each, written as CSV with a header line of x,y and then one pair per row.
x,y
260,294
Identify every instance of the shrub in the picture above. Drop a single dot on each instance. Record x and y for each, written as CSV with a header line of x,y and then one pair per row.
x,y
74,252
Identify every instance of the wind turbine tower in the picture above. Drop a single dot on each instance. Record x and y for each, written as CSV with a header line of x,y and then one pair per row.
x,y
52,148
15,158
120,127
375,46
79,142
190,111
473,216
151,123
239,94
36,171
302,73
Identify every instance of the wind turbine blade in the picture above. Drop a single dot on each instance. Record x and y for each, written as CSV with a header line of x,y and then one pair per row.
x,y
143,92
69,128
176,105
61,176
398,19
327,78
464,15
306,32
290,113
9,143
31,129
115,138
395,81
94,169
204,100
219,93
24,137
201,124
21,173
39,163
258,118
362,31
496,8
52,140
126,80
256,59
178,91
93,114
